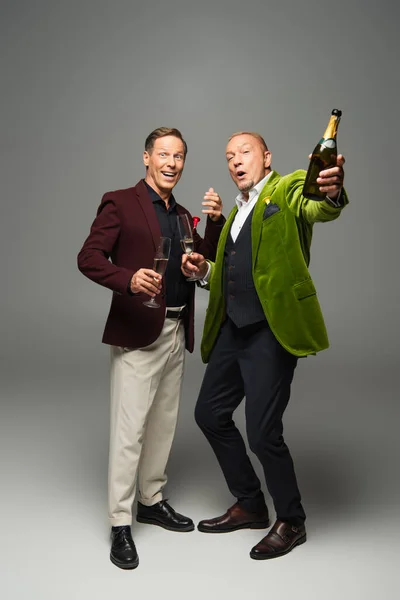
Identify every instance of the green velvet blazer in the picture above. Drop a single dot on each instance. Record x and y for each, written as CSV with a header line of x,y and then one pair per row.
x,y
281,231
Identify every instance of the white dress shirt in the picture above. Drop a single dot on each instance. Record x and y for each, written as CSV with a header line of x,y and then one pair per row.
x,y
246,206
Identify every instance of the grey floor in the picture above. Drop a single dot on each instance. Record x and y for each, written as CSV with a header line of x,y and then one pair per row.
x,y
342,429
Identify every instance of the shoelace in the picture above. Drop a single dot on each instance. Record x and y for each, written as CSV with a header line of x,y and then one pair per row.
x,y
123,535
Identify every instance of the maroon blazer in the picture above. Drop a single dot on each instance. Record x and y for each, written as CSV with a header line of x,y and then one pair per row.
x,y
126,230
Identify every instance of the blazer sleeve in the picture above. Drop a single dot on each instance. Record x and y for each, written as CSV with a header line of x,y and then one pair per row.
x,y
207,246
93,259
306,209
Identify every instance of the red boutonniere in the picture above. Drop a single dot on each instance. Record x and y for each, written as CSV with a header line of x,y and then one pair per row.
x,y
195,221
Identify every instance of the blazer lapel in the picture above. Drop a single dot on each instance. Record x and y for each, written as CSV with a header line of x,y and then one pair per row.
x,y
149,212
257,221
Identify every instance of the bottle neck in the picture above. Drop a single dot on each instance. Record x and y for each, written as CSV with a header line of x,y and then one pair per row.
x,y
332,128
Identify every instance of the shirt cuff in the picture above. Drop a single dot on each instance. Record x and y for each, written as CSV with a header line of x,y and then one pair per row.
x,y
205,279
338,202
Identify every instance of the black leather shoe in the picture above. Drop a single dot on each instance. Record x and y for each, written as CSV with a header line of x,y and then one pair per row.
x,y
123,552
163,514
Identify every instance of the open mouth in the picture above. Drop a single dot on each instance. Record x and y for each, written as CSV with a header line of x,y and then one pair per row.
x,y
168,174
240,174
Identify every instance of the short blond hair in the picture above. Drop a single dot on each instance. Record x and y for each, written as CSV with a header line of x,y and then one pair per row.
x,y
253,134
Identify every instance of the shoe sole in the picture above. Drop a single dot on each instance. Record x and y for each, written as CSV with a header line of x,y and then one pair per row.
x,y
260,525
168,527
302,540
125,566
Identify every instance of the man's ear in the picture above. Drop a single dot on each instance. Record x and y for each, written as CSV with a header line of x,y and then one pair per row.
x,y
267,159
146,158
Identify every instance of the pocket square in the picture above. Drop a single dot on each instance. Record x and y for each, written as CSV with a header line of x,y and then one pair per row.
x,y
270,210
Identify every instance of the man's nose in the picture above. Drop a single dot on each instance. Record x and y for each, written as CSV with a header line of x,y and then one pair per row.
x,y
237,161
171,161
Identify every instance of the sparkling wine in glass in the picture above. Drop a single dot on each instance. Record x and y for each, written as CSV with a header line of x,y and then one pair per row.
x,y
160,265
186,237
187,245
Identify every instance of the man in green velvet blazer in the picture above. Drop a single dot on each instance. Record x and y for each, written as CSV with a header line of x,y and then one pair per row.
x,y
263,314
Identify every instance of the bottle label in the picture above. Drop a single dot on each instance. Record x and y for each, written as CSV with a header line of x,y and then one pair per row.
x,y
329,143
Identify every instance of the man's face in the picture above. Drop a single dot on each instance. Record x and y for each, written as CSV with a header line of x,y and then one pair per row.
x,y
248,161
164,164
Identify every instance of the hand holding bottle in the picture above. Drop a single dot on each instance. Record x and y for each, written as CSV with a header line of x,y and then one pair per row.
x,y
323,161
330,181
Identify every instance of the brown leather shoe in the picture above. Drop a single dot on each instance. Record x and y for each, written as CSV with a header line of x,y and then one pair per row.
x,y
235,518
280,540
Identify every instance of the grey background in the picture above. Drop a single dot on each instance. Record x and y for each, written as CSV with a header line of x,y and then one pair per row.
x,y
82,84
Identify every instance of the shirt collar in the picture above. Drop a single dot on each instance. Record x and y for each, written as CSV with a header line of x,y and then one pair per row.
x,y
254,192
156,198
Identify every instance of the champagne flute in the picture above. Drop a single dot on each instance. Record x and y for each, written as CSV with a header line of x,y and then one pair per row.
x,y
160,264
186,236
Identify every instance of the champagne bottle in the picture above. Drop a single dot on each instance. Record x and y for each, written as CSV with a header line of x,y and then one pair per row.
x,y
323,157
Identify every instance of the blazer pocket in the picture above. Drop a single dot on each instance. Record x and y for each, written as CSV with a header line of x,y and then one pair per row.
x,y
270,210
304,289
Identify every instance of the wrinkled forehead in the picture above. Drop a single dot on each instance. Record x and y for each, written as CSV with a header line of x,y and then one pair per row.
x,y
242,141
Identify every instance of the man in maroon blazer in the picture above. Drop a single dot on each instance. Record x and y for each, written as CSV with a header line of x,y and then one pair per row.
x,y
147,345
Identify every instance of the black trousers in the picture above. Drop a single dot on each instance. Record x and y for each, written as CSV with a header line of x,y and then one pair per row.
x,y
250,362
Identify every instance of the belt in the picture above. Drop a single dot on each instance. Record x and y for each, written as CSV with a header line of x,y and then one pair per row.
x,y
175,314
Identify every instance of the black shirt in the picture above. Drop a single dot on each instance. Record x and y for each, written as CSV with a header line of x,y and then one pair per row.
x,y
176,285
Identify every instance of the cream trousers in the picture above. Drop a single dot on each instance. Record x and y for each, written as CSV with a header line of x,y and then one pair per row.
x,y
145,393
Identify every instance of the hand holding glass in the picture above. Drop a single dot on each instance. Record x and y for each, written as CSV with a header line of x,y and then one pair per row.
x,y
160,264
186,237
